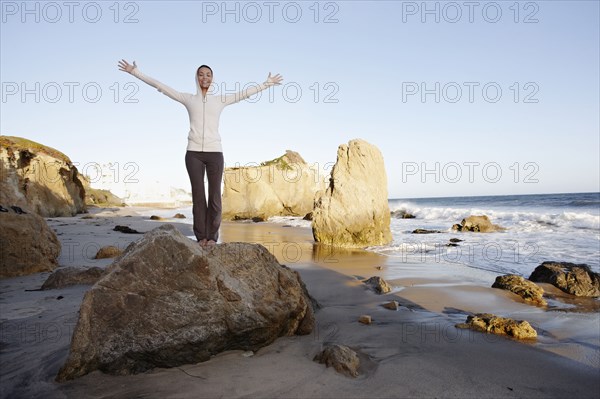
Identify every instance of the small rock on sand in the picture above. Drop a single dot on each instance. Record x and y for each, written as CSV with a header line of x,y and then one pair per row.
x,y
343,359
109,251
378,285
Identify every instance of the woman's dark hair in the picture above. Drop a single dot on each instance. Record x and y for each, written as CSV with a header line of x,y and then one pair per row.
x,y
204,66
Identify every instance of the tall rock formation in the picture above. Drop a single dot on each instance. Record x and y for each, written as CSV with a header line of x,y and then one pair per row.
x,y
280,187
354,210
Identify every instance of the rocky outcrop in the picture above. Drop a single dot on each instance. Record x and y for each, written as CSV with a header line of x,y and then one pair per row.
x,y
284,186
529,291
402,214
99,197
574,279
167,301
343,359
478,224
73,275
27,244
489,323
39,179
354,211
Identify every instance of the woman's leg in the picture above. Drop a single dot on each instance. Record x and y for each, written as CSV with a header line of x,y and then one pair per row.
x,y
196,166
214,172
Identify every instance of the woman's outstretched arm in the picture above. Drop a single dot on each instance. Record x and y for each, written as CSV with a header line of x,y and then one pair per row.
x,y
166,90
244,94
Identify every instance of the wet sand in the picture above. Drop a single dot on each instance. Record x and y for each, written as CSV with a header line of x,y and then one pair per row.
x,y
413,352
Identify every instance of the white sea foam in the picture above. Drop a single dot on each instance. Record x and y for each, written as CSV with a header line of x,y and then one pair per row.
x,y
295,221
534,233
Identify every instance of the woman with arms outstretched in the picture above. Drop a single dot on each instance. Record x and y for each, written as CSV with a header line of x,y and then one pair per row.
x,y
204,152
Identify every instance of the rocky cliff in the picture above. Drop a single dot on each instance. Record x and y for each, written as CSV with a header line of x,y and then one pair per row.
x,y
280,187
39,179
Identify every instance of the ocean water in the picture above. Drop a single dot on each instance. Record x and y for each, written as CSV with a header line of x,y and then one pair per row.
x,y
540,227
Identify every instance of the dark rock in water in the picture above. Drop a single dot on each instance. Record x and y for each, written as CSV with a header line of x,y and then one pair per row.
x,y
479,224
489,323
402,214
526,289
154,217
425,231
179,216
73,275
452,244
574,279
126,229
343,359
258,219
167,301
456,240
378,285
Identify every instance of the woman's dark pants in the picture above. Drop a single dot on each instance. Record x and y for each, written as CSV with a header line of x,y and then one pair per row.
x,y
207,216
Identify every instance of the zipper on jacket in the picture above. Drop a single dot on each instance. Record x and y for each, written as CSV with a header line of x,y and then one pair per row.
x,y
203,119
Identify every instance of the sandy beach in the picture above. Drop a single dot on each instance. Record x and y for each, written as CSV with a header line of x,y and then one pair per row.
x,y
413,352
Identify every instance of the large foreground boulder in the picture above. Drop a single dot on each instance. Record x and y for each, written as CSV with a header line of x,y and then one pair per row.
x,y
27,244
167,301
574,279
284,186
39,178
354,211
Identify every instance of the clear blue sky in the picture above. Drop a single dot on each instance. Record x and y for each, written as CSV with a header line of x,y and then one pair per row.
x,y
540,135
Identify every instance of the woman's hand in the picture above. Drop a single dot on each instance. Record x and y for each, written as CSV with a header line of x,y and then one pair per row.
x,y
126,67
274,80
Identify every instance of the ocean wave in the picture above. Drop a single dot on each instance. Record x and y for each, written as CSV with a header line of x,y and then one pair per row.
x,y
295,221
585,203
518,218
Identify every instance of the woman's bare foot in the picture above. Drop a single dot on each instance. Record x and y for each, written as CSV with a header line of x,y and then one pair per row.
x,y
202,242
211,242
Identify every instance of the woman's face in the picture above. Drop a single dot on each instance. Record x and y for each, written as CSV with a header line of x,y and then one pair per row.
x,y
204,77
